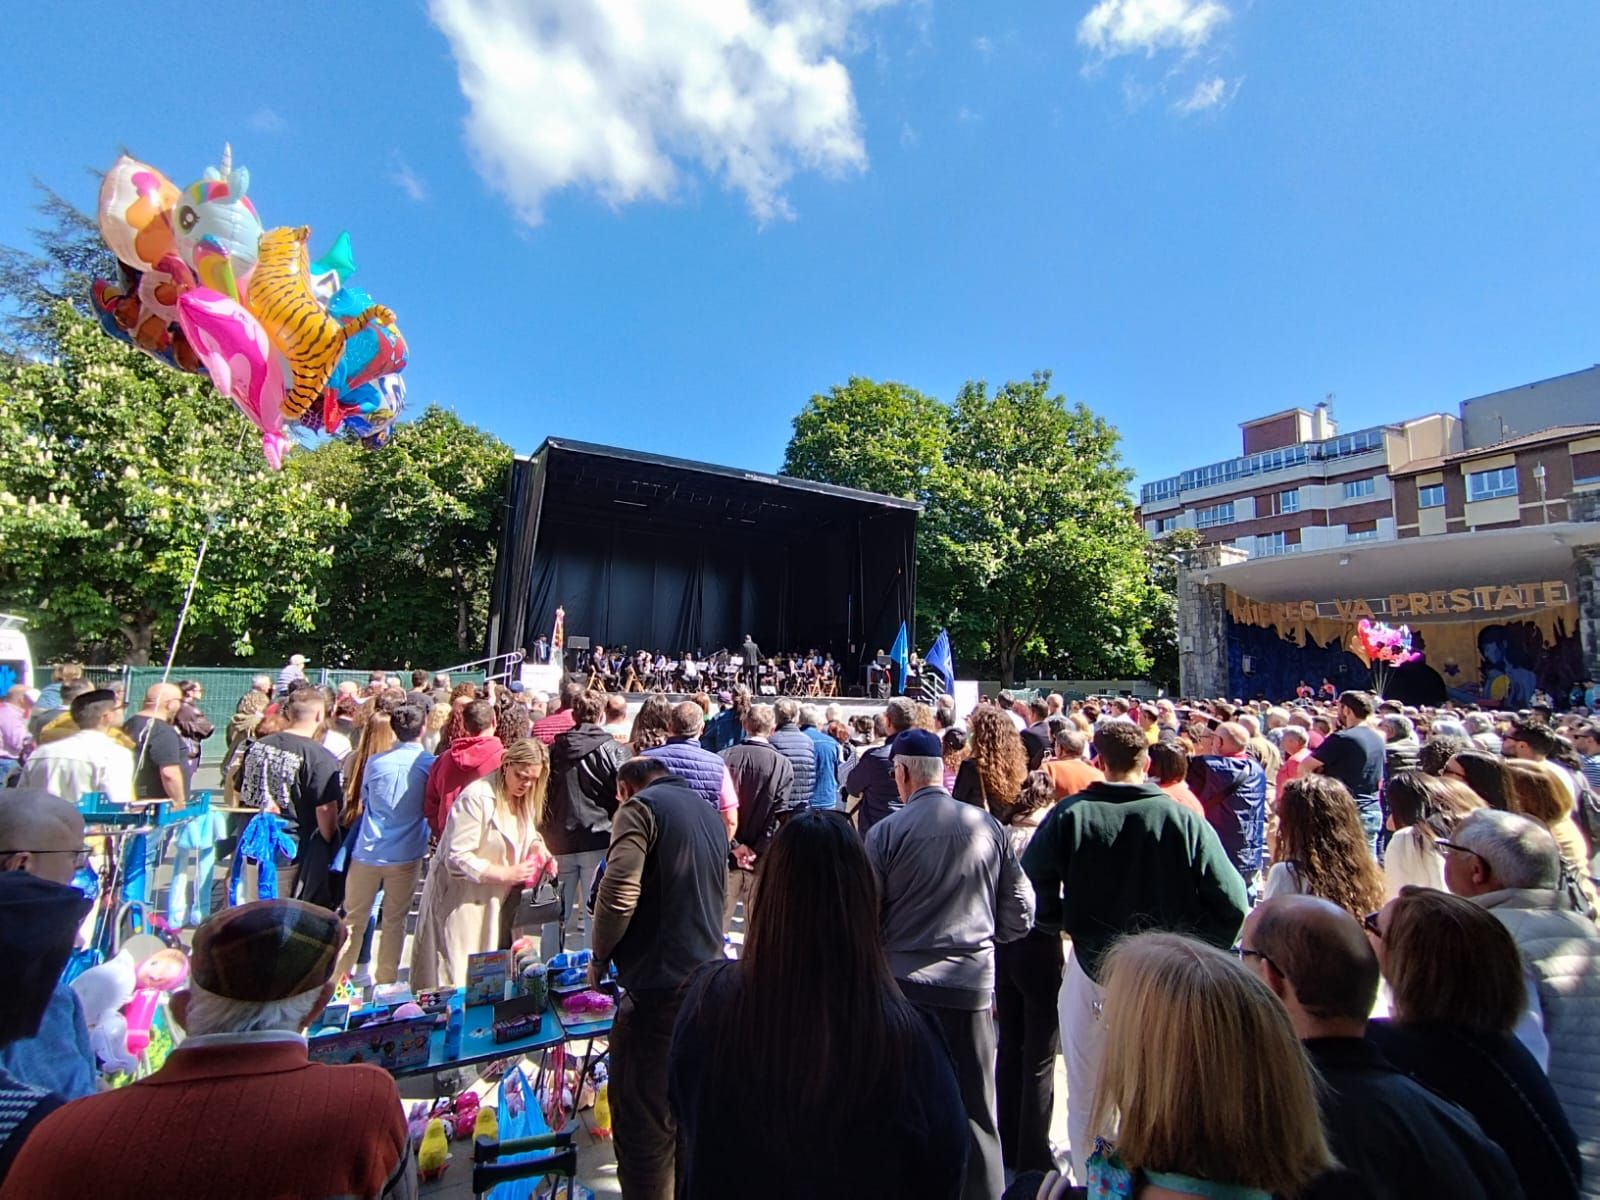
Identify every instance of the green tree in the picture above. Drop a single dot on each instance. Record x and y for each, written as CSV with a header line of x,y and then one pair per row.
x,y
1162,556
880,437
69,256
411,580
1030,553
115,469
1027,550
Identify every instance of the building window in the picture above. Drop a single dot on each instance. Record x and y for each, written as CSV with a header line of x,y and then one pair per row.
x,y
1166,525
1488,485
1361,535
1289,502
1275,543
1431,496
1354,489
1217,514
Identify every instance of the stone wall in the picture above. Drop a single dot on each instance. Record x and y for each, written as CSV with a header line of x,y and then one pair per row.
x,y
1203,622
1585,506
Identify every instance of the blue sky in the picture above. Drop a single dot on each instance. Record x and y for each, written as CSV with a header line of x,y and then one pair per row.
x,y
667,233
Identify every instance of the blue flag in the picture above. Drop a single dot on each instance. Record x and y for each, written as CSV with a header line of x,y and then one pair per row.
x,y
940,660
900,652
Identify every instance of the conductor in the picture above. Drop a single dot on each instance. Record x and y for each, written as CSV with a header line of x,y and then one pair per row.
x,y
752,660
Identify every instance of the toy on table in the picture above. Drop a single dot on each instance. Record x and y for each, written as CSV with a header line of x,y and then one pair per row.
x,y
487,975
588,1003
517,1027
163,973
433,1154
487,1124
102,991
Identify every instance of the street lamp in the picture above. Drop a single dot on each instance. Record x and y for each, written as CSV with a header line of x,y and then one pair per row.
x,y
1538,478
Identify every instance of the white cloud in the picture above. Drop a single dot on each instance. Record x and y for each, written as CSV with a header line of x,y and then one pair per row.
x,y
1215,92
408,181
265,120
983,45
618,97
1116,27
908,135
968,116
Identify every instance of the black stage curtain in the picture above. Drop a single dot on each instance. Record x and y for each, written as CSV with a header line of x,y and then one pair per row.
x,y
841,578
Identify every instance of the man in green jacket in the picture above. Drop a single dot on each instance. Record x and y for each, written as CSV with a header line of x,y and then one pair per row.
x,y
1117,858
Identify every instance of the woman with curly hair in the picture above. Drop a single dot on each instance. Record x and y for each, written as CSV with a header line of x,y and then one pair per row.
x,y
1322,848
996,765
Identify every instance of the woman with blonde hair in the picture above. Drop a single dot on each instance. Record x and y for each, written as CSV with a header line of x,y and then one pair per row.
x,y
1422,808
433,734
1204,1089
1322,849
1537,791
996,766
489,851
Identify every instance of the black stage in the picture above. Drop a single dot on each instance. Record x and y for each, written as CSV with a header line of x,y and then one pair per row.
x,y
665,554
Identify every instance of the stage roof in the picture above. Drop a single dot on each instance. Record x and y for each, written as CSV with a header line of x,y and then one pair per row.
x,y
683,492
1446,560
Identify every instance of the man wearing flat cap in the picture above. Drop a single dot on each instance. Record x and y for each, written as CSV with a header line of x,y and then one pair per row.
x,y
89,760
237,1110
951,888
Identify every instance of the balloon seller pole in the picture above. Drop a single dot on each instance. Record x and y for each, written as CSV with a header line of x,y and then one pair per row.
x,y
172,647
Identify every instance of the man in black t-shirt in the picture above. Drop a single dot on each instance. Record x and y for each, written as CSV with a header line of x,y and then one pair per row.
x,y
159,761
292,773
1354,756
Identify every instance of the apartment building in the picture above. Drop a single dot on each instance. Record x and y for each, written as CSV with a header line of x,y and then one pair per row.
x,y
1300,484
1514,482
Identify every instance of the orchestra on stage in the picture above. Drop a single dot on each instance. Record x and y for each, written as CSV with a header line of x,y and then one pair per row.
x,y
814,673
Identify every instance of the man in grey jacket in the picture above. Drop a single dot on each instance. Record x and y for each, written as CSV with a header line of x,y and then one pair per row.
x,y
951,889
1510,865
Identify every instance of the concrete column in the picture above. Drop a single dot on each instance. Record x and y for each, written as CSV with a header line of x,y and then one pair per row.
x,y
1203,622
1585,506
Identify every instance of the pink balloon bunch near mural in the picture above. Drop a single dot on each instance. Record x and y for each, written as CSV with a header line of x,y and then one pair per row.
x,y
203,288
1383,647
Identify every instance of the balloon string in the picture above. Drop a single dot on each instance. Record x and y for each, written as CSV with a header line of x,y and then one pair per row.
x,y
172,647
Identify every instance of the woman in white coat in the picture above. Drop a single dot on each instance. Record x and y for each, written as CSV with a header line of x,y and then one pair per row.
x,y
490,849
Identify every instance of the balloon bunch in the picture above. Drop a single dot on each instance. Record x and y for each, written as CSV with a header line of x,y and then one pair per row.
x,y
1383,647
204,288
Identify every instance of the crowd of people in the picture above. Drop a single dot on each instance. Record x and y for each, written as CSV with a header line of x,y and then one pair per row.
x,y
1334,948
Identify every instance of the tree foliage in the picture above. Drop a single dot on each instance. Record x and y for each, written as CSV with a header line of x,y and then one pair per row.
x,y
1162,556
1030,553
411,581
1028,550
68,257
880,437
115,469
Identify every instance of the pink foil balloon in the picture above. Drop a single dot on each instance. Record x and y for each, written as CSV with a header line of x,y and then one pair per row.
x,y
238,355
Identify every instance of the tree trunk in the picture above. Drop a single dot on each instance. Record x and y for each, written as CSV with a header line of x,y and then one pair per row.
x,y
1008,661
140,635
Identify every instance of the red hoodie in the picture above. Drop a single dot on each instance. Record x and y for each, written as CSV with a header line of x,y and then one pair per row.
x,y
467,759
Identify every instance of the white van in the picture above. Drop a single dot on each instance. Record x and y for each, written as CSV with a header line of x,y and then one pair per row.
x,y
16,660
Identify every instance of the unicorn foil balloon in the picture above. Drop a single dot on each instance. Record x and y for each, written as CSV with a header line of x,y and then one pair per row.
x,y
216,228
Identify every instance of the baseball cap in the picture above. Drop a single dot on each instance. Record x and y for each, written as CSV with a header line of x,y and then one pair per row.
x,y
917,743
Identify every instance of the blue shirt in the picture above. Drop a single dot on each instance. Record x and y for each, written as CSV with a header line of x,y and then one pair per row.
x,y
393,830
58,1057
826,792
